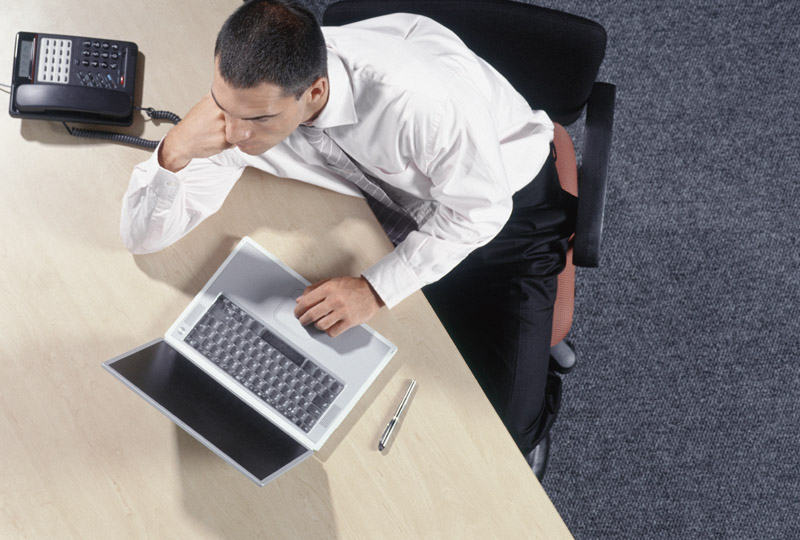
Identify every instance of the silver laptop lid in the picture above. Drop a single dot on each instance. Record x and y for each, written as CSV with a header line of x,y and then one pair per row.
x,y
208,411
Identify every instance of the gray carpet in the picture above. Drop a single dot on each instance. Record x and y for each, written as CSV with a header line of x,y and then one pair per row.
x,y
681,419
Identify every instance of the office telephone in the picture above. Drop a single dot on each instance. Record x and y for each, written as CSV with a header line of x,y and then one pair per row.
x,y
71,78
77,79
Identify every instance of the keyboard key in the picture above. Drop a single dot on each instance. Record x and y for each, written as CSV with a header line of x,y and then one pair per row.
x,y
321,402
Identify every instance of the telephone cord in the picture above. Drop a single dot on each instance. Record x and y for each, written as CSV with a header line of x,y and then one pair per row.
x,y
127,139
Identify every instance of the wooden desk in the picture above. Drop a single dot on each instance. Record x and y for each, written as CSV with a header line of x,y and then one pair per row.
x,y
83,457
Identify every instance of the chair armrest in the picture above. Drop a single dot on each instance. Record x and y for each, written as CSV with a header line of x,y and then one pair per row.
x,y
592,175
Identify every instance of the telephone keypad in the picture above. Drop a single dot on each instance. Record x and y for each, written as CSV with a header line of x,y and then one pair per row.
x,y
96,79
55,60
105,74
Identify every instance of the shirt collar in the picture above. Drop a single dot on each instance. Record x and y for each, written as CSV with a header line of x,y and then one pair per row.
x,y
340,109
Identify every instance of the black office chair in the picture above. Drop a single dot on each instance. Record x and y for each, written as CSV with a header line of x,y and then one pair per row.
x,y
552,59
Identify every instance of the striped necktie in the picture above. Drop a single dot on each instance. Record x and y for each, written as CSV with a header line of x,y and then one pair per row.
x,y
394,219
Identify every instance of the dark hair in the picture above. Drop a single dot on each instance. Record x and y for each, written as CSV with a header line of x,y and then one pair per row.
x,y
271,41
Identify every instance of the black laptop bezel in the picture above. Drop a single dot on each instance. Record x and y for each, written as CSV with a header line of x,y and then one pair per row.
x,y
208,411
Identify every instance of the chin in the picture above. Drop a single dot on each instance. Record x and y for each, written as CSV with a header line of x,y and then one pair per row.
x,y
252,150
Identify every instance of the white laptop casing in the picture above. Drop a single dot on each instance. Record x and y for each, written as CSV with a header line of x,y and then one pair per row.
x,y
267,288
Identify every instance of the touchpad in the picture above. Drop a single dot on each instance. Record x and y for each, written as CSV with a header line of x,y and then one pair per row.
x,y
285,316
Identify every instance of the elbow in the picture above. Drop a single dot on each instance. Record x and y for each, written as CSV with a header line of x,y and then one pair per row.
x,y
135,243
139,250
136,248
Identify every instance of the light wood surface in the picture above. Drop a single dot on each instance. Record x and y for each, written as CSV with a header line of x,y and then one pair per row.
x,y
84,457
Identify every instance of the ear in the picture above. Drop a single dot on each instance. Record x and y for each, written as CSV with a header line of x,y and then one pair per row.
x,y
318,92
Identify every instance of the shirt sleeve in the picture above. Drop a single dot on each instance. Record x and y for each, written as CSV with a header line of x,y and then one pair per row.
x,y
461,154
160,206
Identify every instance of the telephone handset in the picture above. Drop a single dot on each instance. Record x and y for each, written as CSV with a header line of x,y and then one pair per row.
x,y
73,79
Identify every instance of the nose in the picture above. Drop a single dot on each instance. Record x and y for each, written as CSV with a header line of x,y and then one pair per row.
x,y
235,130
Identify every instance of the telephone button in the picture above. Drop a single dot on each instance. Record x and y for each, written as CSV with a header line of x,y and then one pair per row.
x,y
87,43
86,53
103,65
105,45
96,43
112,65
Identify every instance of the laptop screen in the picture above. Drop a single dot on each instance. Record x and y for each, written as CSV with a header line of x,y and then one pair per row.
x,y
208,411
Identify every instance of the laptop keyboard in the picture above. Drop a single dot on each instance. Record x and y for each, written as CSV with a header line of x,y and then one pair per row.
x,y
264,364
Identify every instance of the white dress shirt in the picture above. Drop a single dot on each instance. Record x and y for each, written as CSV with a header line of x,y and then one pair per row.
x,y
412,106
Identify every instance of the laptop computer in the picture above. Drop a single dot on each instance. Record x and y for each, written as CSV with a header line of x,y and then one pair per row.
x,y
238,371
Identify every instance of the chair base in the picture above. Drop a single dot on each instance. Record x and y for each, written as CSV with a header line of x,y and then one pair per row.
x,y
562,357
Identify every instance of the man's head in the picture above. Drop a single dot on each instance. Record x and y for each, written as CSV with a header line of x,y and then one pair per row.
x,y
270,72
271,41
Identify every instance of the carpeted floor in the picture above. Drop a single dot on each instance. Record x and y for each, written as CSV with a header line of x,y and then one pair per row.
x,y
682,419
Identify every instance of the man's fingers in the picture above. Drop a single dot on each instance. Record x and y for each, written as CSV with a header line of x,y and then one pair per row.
x,y
336,305
325,319
338,328
310,297
314,286
327,322
314,314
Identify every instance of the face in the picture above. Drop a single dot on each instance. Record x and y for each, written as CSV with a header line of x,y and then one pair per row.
x,y
256,119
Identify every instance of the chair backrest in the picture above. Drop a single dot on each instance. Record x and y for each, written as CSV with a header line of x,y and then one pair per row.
x,y
550,57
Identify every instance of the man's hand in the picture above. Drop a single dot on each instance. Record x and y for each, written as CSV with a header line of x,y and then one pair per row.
x,y
200,134
338,304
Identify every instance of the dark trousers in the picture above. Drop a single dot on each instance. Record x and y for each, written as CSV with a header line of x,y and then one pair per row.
x,y
497,306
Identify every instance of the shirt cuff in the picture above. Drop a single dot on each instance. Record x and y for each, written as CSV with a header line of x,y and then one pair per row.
x,y
393,279
165,183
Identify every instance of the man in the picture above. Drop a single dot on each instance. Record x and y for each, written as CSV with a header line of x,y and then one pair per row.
x,y
446,152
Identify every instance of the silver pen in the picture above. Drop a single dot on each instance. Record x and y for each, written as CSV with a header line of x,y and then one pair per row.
x,y
387,433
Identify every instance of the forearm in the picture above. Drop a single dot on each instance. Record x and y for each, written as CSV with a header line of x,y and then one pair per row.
x,y
169,158
160,206
427,255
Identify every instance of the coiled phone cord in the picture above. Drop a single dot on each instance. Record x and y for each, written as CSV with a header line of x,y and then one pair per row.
x,y
127,139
